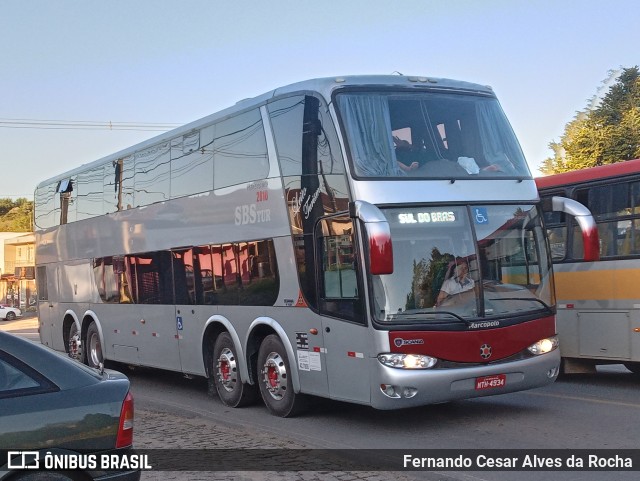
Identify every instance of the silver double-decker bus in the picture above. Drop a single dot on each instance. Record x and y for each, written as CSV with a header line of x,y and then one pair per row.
x,y
370,239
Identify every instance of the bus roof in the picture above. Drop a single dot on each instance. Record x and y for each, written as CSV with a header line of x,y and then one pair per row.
x,y
324,86
593,173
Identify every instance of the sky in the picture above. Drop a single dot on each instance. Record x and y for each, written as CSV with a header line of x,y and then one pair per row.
x,y
172,62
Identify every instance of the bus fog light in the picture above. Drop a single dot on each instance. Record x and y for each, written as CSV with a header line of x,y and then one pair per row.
x,y
389,390
544,346
409,392
407,361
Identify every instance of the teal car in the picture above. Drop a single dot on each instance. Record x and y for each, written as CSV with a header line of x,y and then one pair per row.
x,y
53,406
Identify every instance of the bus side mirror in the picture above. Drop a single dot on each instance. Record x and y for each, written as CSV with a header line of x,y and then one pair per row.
x,y
378,234
586,223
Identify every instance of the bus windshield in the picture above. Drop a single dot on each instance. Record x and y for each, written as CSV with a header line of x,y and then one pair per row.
x,y
463,263
429,135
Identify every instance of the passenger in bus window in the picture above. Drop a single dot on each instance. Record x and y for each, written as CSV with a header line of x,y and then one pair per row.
x,y
402,145
458,282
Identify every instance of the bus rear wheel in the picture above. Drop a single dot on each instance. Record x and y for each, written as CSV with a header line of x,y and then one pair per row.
x,y
93,347
275,383
226,374
74,344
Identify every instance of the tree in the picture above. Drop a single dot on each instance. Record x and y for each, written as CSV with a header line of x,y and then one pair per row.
x,y
606,132
15,216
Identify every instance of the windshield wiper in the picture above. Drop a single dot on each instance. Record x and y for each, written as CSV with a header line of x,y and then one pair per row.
x,y
533,299
413,315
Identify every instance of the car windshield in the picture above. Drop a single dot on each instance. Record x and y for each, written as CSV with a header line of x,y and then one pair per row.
x,y
463,263
429,135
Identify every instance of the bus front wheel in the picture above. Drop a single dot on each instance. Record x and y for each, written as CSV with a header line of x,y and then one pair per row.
x,y
226,374
275,383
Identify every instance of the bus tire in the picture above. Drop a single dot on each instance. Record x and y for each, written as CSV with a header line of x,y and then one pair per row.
x,y
634,367
274,379
93,347
225,371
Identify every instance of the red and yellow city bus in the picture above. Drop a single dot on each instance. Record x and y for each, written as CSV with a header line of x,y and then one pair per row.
x,y
598,302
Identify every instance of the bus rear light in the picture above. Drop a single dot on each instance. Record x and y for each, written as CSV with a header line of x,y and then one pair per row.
x,y
407,361
125,427
543,346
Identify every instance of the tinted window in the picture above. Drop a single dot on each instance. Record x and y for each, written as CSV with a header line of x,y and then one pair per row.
x,y
239,150
290,119
229,274
151,277
66,200
192,163
41,280
111,185
12,379
18,379
127,182
44,206
152,175
339,293
89,196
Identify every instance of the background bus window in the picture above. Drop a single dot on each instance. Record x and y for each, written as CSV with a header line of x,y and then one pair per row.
x,y
558,242
616,209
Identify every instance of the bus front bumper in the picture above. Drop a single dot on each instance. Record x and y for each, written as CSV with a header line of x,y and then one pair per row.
x,y
402,388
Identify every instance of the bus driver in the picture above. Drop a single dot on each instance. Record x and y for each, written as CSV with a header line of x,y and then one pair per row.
x,y
457,283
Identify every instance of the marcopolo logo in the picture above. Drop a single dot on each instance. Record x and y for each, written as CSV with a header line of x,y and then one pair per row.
x,y
399,342
484,324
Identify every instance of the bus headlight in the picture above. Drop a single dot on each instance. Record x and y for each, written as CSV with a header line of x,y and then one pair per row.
x,y
544,346
407,361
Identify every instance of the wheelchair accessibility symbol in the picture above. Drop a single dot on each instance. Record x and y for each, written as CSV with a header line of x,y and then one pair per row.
x,y
481,216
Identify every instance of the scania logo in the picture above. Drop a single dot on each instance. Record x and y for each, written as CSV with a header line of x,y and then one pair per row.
x,y
485,351
399,342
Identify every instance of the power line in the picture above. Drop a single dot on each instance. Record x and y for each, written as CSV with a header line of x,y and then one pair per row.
x,y
84,125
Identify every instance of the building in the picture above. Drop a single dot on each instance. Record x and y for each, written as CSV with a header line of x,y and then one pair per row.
x,y
17,270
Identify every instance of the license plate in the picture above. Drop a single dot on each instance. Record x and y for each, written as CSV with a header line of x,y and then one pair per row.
x,y
491,382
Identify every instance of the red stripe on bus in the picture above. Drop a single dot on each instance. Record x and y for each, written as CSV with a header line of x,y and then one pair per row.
x,y
465,346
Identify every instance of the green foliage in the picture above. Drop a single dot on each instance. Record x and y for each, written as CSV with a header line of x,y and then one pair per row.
x,y
606,132
16,215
